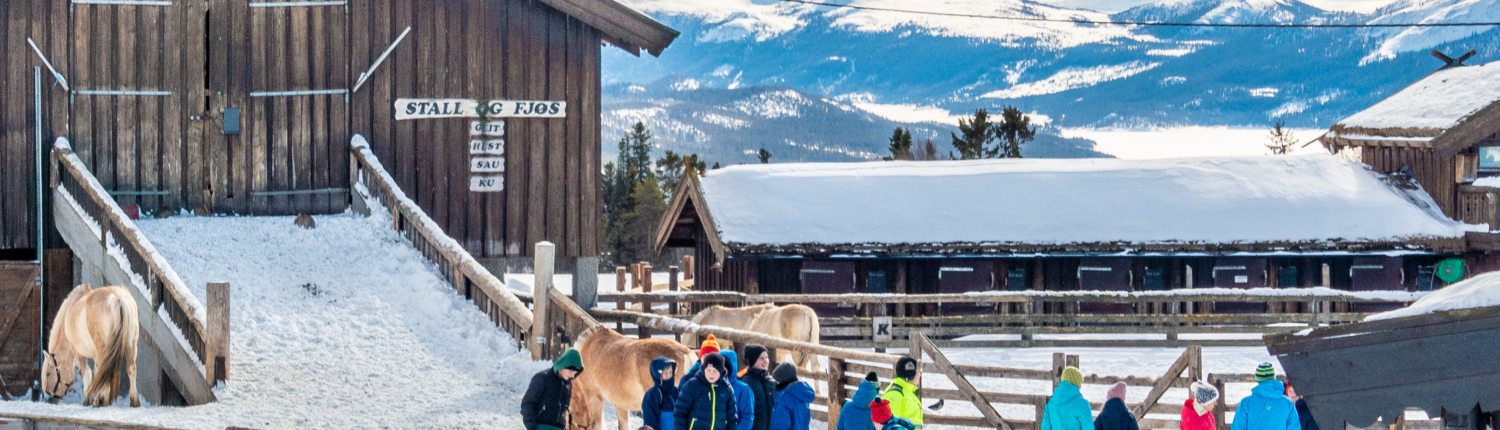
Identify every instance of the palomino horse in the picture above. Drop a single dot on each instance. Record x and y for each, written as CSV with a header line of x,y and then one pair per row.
x,y
791,322
618,369
93,324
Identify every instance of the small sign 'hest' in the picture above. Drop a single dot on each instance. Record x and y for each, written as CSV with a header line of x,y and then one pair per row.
x,y
487,164
487,128
486,183
487,147
467,108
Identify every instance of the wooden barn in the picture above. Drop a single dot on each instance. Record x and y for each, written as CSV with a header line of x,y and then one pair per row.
x,y
222,107
1061,225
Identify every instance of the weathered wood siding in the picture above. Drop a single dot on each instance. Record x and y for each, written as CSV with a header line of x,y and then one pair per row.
x,y
46,23
517,49
1436,174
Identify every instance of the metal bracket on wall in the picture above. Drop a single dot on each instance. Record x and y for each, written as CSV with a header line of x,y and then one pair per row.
x,y
55,75
367,73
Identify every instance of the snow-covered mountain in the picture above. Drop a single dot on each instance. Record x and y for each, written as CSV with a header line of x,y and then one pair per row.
x,y
1076,74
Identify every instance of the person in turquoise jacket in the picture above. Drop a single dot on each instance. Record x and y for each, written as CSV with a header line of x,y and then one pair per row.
x,y
1267,407
856,412
1067,410
744,399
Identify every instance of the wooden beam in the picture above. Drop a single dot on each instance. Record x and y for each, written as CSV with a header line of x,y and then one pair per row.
x,y
1165,381
217,339
958,379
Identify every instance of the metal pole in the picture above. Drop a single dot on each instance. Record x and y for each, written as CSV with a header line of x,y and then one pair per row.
x,y
41,299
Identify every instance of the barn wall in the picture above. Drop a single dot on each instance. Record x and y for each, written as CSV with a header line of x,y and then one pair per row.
x,y
514,49
1436,174
46,23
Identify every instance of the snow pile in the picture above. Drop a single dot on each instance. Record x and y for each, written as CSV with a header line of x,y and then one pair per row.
x,y
342,326
1477,292
1296,198
1440,100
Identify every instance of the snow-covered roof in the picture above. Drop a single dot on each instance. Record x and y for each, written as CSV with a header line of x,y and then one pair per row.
x,y
1298,200
1477,292
1431,105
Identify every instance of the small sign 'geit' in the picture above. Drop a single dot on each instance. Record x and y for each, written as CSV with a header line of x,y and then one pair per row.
x,y
469,108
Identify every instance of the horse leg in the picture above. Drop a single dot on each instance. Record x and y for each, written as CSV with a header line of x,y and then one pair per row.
x,y
623,415
135,398
86,381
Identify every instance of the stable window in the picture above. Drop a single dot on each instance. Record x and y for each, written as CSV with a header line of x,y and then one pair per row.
x,y
1489,158
1015,279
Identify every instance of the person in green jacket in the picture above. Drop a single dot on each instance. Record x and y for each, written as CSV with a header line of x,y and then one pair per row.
x,y
902,392
1067,410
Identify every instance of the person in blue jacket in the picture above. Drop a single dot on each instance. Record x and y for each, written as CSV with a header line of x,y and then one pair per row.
x,y
1267,407
657,407
856,412
1067,410
793,400
706,401
742,395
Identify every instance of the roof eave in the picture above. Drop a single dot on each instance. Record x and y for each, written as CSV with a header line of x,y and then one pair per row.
x,y
621,26
1469,131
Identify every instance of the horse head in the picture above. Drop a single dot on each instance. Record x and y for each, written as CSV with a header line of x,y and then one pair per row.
x,y
57,380
586,407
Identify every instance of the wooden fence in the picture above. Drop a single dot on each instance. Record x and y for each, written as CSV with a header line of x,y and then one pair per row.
x,y
372,186
1019,314
103,237
845,369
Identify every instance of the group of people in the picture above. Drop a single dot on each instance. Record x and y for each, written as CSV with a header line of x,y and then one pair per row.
x,y
717,393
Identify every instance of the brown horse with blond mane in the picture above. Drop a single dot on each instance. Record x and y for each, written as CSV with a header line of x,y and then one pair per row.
x,y
99,324
618,369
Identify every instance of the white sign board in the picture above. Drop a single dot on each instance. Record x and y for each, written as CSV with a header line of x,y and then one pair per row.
x,y
487,164
487,147
882,329
486,183
468,108
487,128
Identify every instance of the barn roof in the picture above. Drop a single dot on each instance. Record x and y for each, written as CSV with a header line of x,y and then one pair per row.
x,y
1448,110
622,26
1300,202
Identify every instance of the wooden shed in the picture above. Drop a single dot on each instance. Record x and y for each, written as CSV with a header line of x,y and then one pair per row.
x,y
247,107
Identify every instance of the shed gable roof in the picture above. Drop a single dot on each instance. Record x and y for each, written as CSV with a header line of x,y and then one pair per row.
x,y
1447,110
622,26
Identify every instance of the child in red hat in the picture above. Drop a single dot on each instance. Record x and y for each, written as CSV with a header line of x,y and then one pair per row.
x,y
880,413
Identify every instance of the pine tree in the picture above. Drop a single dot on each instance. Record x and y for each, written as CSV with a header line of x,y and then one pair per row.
x,y
929,152
1014,130
671,168
639,225
900,146
1282,139
621,184
977,135
764,156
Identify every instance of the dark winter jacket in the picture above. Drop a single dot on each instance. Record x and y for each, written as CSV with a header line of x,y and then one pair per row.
x,y
656,408
743,399
1115,417
546,400
1308,423
704,406
792,407
763,390
856,412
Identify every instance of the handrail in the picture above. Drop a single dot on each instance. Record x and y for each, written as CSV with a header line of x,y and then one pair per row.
x,y
184,309
453,260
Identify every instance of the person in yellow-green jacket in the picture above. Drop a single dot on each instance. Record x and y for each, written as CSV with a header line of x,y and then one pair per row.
x,y
902,392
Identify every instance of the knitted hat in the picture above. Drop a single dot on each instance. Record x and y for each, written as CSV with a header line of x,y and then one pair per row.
x,y
752,353
906,368
1265,372
880,411
1117,391
872,377
1203,395
714,360
709,345
1072,375
785,374
569,360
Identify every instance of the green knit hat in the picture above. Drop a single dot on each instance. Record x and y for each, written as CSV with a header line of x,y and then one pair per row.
x,y
1265,372
1072,375
569,358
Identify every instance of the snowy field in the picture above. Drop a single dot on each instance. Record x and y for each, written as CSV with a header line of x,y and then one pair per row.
x,y
1188,141
340,327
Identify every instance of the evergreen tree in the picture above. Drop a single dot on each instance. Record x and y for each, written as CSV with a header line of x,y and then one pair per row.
x,y
977,135
900,145
1282,139
621,185
929,152
639,225
1014,130
672,168
764,156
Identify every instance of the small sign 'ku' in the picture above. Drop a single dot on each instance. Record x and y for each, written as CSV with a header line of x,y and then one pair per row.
x,y
486,183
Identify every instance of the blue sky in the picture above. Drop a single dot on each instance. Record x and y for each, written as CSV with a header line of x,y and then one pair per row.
x,y
1361,6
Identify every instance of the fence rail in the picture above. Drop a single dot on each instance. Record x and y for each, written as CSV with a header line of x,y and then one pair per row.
x,y
372,185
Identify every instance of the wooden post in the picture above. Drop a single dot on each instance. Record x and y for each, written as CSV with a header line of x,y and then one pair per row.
x,y
1072,361
217,326
687,267
1059,361
645,274
836,391
620,287
1223,404
1327,276
1165,381
672,286
900,287
540,293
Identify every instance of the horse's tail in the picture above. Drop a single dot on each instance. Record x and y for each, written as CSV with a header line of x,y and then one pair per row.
x,y
814,329
106,385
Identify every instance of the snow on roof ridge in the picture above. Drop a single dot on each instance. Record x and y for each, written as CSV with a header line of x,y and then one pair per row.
x,y
1437,101
1270,199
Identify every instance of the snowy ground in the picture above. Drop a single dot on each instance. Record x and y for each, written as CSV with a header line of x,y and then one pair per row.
x,y
343,326
1188,141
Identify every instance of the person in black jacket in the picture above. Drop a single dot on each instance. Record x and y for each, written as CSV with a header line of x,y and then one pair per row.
x,y
757,375
1115,416
1303,413
545,405
706,400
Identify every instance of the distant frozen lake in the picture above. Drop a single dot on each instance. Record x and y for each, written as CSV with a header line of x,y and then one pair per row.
x,y
1189,141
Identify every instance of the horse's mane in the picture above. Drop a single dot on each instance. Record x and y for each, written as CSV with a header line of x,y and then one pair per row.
x,y
699,316
72,296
